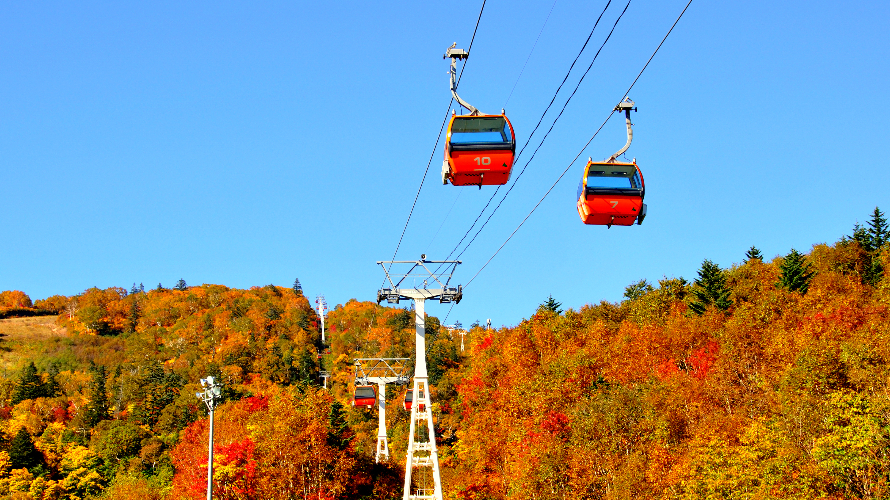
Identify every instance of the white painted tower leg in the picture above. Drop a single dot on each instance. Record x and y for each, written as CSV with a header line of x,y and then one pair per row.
x,y
382,443
422,452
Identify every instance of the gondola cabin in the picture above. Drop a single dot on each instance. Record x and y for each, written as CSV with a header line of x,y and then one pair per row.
x,y
479,150
365,396
611,194
409,400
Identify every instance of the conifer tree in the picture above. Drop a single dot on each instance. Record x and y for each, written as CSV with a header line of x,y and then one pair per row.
x,y
796,272
97,409
30,385
862,236
159,288
297,288
637,290
551,305
753,253
142,288
133,318
134,289
710,289
180,285
878,230
52,388
22,453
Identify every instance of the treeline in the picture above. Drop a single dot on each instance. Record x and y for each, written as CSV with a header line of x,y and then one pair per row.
x,y
769,379
109,410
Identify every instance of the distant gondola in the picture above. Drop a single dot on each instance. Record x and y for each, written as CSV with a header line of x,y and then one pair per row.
x,y
365,396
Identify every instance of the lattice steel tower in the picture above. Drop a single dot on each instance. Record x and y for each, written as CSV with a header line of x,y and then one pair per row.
x,y
414,285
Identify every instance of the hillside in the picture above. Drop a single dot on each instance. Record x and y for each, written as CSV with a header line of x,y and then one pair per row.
x,y
764,380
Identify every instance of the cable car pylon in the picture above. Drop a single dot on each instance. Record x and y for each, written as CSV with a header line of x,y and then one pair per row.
x,y
422,453
381,371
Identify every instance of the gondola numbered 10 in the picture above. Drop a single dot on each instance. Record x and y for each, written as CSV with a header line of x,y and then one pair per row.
x,y
479,148
611,193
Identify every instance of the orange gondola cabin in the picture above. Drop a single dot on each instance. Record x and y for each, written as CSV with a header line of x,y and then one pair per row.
x,y
611,194
479,150
365,396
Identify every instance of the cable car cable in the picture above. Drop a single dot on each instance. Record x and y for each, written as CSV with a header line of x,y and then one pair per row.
x,y
540,120
530,54
549,130
459,191
438,138
582,149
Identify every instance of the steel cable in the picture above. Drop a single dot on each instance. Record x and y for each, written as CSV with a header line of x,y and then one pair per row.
x,y
582,149
438,138
522,149
548,131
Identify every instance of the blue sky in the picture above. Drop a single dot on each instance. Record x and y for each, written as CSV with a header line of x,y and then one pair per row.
x,y
247,144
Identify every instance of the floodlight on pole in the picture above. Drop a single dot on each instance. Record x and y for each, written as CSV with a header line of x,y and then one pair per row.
x,y
211,395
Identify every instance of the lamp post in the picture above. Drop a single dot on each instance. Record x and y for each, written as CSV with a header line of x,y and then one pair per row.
x,y
210,396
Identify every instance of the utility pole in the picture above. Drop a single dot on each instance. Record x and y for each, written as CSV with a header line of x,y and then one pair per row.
x,y
381,371
422,453
322,307
210,396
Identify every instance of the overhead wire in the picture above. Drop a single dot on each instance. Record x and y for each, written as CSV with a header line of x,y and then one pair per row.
x,y
582,149
540,120
459,192
438,138
578,85
529,54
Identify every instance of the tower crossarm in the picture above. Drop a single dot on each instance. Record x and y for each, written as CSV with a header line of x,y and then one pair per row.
x,y
381,370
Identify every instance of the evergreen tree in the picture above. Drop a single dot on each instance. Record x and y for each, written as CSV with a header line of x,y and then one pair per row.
x,y
339,434
134,289
298,289
710,289
878,230
796,272
142,288
180,285
551,305
52,388
637,290
861,236
97,409
753,253
22,453
133,318
30,385
159,288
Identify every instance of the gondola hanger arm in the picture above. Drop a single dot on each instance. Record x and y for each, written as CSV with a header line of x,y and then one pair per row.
x,y
627,106
456,54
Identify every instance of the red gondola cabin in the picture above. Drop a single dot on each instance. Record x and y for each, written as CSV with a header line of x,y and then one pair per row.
x,y
409,401
612,194
479,150
365,396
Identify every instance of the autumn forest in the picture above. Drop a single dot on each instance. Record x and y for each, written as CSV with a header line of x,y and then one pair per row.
x,y
767,379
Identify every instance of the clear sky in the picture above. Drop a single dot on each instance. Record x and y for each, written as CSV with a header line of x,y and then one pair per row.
x,y
253,143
